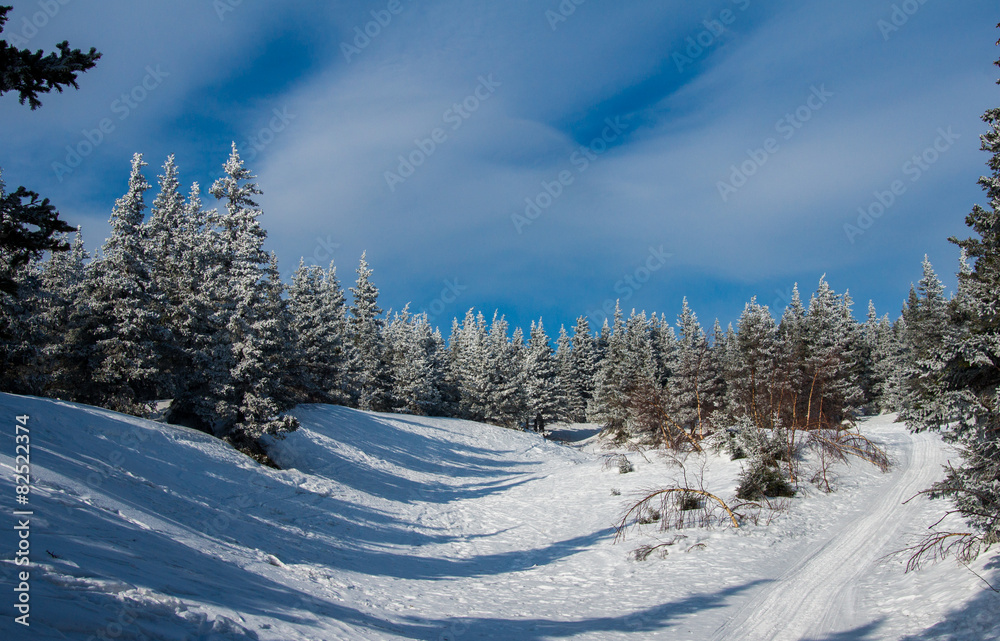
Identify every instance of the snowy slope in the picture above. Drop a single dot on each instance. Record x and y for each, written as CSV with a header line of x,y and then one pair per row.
x,y
398,527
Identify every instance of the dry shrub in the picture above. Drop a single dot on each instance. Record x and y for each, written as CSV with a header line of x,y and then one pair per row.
x,y
619,461
838,445
673,510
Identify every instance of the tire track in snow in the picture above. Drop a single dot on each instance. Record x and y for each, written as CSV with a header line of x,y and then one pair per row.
x,y
816,595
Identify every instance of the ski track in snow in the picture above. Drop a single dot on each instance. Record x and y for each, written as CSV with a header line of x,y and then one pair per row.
x,y
396,527
816,596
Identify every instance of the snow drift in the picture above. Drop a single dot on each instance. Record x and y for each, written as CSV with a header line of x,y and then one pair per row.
x,y
397,527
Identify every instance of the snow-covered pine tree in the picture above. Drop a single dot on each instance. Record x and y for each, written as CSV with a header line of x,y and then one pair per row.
x,y
65,351
263,348
541,381
410,354
889,360
163,233
584,357
123,305
929,331
449,384
200,336
468,366
251,395
566,381
610,404
369,370
855,358
640,360
791,363
505,401
664,346
431,352
692,388
720,359
972,372
869,340
437,348
21,334
339,358
756,351
829,392
317,309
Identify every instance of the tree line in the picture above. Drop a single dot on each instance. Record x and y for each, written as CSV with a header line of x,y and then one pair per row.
x,y
182,302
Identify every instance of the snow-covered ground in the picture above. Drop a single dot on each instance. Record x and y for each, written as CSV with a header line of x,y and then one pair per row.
x,y
398,527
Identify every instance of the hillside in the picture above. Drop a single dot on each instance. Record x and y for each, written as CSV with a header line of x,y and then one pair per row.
x,y
398,527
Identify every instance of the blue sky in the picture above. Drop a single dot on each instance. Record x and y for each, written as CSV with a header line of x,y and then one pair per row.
x,y
563,155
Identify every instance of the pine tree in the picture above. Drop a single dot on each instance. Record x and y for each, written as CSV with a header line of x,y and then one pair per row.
x,y
888,362
262,347
451,378
319,325
756,351
692,387
610,403
201,343
504,399
829,392
541,381
566,379
368,367
123,303
64,348
21,334
27,229
411,354
972,373
163,234
250,342
794,352
338,358
926,403
664,348
30,73
584,358
472,356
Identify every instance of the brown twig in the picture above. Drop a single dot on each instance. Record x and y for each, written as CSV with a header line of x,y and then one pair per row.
x,y
637,508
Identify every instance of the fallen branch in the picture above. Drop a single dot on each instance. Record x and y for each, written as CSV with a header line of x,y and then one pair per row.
x,y
638,507
934,547
856,444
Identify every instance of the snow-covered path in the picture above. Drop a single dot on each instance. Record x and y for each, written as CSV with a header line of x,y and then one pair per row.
x,y
817,595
